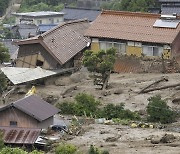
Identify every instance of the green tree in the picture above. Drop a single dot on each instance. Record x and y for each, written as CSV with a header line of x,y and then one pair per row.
x,y
65,148
4,54
101,62
130,5
1,140
159,111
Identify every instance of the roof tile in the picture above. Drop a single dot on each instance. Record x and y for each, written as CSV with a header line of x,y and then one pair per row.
x,y
131,26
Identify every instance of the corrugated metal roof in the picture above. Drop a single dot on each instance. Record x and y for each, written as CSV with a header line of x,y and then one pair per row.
x,y
132,26
46,27
170,9
19,75
80,13
20,135
35,107
38,14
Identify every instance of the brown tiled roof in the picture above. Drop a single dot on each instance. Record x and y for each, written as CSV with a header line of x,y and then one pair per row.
x,y
19,135
131,26
63,41
35,107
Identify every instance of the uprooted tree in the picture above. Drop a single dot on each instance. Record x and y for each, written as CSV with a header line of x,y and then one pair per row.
x,y
101,64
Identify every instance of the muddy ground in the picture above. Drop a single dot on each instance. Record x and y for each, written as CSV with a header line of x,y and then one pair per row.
x,y
123,88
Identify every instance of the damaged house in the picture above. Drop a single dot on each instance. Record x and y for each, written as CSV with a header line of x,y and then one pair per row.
x,y
60,47
138,34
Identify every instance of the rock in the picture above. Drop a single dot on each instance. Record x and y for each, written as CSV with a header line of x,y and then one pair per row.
x,y
168,138
155,140
103,132
69,91
105,93
51,99
118,91
112,139
78,76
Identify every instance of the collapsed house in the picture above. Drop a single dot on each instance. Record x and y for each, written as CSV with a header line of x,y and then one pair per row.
x,y
60,47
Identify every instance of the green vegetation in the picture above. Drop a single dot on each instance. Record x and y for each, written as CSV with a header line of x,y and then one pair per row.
x,y
8,150
130,5
3,82
95,150
3,6
65,148
44,5
4,54
85,104
159,111
101,62
1,140
111,111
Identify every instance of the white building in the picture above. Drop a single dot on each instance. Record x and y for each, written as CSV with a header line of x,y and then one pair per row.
x,y
37,18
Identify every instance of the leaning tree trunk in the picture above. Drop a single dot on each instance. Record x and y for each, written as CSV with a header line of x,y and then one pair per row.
x,y
105,79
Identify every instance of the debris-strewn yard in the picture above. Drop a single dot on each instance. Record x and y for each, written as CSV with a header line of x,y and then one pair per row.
x,y
123,88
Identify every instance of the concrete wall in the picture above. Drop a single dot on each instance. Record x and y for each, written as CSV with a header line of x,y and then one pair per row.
x,y
44,20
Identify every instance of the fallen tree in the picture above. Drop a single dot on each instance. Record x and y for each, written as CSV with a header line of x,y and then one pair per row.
x,y
152,84
160,88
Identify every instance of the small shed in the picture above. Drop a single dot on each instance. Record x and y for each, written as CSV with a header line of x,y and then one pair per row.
x,y
28,112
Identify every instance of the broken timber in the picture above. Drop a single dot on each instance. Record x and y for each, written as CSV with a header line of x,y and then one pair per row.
x,y
154,83
160,88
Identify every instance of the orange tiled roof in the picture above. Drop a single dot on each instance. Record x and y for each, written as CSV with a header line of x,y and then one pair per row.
x,y
63,41
131,26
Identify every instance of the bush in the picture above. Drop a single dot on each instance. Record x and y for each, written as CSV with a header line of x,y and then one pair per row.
x,y
66,107
86,103
159,111
83,103
95,150
8,150
111,111
3,82
1,140
65,148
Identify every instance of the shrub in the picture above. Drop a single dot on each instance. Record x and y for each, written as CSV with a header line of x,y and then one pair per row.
x,y
83,103
3,82
95,150
66,107
1,140
86,103
111,111
8,150
65,148
159,111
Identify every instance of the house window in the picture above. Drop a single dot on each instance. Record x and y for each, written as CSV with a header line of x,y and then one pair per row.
x,y
39,22
51,21
120,47
39,63
13,123
152,50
